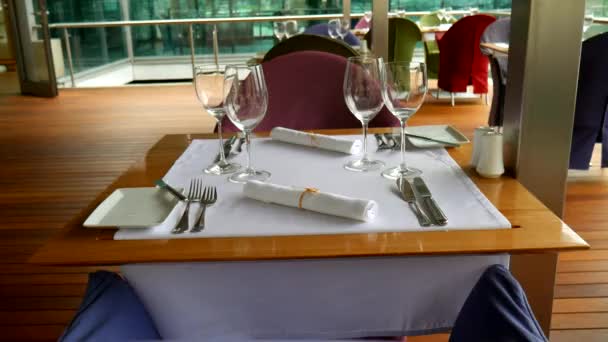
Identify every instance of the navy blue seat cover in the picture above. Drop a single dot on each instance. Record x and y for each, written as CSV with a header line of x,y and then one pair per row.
x,y
110,311
591,102
322,30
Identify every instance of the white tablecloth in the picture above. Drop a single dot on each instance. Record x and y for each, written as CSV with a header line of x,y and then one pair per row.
x,y
323,298
314,299
463,203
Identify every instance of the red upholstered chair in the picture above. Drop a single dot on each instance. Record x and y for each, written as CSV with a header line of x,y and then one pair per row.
x,y
461,62
305,92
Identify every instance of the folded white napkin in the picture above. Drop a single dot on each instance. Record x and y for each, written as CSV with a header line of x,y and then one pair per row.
x,y
313,200
326,142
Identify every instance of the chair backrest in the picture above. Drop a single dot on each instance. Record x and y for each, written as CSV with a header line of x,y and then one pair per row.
x,y
460,60
363,24
309,42
591,103
498,32
430,20
322,29
402,38
403,34
305,92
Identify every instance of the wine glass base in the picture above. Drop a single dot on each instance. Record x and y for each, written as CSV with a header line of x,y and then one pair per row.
x,y
398,172
246,176
222,169
363,165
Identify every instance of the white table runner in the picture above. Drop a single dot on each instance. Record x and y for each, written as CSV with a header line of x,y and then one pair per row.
x,y
463,203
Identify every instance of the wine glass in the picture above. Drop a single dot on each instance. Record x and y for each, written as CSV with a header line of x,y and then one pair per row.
x,y
343,27
291,28
588,20
209,86
441,15
332,28
363,96
246,104
447,15
404,86
279,30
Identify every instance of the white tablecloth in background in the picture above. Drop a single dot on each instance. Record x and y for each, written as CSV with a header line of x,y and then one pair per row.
x,y
323,298
235,215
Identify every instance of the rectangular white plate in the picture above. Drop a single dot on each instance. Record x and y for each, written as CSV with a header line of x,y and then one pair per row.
x,y
440,132
132,208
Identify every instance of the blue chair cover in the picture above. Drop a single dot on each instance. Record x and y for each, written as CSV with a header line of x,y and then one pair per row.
x,y
110,311
322,30
497,32
590,124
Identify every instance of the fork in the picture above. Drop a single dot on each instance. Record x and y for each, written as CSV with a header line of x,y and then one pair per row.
x,y
208,199
194,195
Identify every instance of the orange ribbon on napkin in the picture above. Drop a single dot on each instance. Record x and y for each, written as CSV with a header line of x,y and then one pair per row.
x,y
306,191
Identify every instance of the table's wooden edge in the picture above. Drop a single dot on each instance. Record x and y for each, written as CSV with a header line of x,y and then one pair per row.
x,y
39,256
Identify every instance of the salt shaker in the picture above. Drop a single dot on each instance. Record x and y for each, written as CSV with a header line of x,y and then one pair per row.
x,y
490,164
479,132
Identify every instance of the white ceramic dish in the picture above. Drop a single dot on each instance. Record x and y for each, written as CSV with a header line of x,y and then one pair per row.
x,y
132,208
440,132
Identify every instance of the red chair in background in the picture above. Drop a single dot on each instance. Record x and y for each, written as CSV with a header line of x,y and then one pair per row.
x,y
461,62
305,92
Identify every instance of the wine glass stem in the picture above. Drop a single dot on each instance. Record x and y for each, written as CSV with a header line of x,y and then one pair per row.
x,y
364,141
403,165
219,135
248,146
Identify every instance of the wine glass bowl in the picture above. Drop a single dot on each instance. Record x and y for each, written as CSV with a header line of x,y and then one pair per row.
x,y
291,28
404,88
343,27
279,30
210,90
332,28
246,105
363,96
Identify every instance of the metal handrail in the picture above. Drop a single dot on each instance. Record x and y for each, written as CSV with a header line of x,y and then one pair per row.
x,y
194,21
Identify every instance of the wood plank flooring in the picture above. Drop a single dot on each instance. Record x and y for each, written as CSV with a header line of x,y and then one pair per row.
x,y
48,145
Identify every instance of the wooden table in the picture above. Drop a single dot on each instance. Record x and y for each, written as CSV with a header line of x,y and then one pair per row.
x,y
535,230
497,48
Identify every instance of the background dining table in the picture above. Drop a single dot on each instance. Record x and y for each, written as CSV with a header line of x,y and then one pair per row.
x,y
533,241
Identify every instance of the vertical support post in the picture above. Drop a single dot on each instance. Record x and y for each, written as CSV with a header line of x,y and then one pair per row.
x,y
346,9
538,122
539,116
191,41
216,49
124,7
68,51
380,31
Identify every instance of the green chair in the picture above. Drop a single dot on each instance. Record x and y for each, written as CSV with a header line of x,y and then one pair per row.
x,y
403,34
430,20
431,54
309,42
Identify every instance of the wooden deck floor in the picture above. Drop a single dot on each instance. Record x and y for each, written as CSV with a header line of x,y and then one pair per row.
x,y
48,145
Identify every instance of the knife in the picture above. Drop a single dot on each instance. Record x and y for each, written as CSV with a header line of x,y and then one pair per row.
x,y
227,148
169,188
448,143
408,195
429,203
